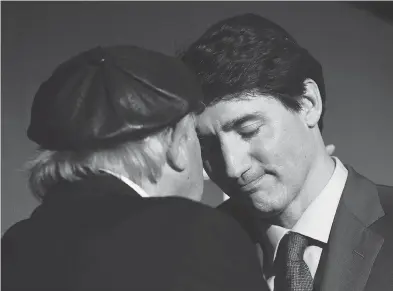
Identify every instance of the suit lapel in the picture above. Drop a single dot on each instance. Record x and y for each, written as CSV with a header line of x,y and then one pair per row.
x,y
352,246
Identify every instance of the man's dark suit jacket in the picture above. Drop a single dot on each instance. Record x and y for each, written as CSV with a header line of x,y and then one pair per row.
x,y
359,253
98,234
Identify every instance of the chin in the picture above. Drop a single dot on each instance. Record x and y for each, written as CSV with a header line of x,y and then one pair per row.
x,y
267,204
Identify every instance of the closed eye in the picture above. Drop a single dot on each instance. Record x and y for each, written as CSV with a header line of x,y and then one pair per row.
x,y
249,131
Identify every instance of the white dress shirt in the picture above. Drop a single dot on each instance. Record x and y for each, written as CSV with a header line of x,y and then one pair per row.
x,y
134,186
316,222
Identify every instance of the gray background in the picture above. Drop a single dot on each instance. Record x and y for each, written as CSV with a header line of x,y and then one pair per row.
x,y
354,47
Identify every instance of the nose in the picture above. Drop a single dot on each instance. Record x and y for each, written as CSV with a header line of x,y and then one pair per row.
x,y
235,159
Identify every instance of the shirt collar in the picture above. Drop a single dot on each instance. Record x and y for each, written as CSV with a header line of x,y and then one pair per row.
x,y
134,186
324,207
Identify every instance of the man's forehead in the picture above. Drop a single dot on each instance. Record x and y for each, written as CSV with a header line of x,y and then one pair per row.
x,y
224,109
225,117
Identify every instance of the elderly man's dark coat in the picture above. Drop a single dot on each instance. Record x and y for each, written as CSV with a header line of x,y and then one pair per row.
x,y
98,234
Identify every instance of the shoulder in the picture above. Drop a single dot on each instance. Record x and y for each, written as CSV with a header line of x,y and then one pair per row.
x,y
243,215
383,225
178,223
191,215
176,227
360,187
209,236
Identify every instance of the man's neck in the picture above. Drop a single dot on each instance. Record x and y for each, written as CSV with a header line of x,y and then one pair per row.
x,y
142,192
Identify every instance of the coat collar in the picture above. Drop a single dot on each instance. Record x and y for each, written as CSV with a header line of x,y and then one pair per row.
x,y
352,246
94,202
90,193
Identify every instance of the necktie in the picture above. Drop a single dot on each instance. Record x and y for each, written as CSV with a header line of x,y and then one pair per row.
x,y
292,271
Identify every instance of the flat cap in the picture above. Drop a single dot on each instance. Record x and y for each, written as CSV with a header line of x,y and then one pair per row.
x,y
106,96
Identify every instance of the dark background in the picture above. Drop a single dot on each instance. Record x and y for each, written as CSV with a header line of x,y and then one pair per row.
x,y
354,46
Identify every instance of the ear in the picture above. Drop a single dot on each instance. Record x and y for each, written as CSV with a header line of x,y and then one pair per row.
x,y
311,103
330,149
176,154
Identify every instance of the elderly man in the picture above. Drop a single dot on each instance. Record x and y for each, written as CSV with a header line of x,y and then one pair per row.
x,y
116,133
318,225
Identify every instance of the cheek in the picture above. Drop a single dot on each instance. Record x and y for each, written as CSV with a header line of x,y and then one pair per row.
x,y
265,146
197,150
292,157
198,157
196,146
281,147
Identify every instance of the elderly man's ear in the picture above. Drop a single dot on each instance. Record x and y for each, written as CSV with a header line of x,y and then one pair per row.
x,y
177,152
330,148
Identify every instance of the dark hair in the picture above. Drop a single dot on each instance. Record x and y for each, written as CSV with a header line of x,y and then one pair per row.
x,y
249,53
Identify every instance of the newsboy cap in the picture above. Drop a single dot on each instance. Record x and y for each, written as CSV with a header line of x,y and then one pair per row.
x,y
106,96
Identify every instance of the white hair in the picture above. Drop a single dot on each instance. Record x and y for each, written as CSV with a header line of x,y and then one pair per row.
x,y
136,160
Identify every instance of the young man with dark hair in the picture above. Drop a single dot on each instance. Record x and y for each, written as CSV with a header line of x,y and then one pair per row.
x,y
319,225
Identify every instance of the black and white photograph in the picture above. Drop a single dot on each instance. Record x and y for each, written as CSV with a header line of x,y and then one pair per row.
x,y
196,146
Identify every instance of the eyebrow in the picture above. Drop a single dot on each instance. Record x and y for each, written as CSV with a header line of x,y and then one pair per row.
x,y
228,126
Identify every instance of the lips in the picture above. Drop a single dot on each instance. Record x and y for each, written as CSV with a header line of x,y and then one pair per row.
x,y
251,185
